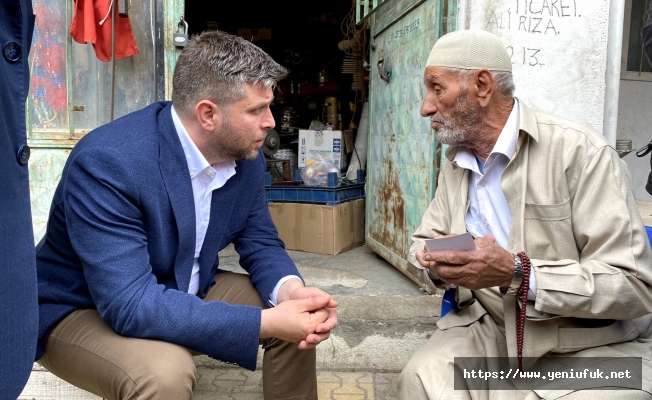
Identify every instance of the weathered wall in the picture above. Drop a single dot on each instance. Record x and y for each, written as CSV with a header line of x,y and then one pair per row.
x,y
558,50
45,167
635,123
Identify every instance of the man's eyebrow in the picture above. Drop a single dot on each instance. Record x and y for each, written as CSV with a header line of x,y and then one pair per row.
x,y
433,78
262,103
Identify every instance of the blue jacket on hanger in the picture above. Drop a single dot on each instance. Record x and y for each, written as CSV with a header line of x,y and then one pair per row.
x,y
18,305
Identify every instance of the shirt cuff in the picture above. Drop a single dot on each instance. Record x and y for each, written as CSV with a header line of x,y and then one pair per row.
x,y
532,292
272,297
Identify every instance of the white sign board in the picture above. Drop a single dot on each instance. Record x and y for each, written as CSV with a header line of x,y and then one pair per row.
x,y
558,50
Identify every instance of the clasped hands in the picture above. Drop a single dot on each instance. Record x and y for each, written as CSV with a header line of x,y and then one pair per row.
x,y
304,315
487,266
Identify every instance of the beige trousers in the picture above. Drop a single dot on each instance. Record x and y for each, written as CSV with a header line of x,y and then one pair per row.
x,y
84,351
429,373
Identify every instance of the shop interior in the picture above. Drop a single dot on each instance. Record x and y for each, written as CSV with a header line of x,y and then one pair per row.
x,y
325,52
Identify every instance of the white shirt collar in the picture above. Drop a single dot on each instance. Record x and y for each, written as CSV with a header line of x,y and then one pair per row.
x,y
195,159
197,163
506,144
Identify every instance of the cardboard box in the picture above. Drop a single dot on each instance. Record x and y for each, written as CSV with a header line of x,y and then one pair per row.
x,y
329,144
317,228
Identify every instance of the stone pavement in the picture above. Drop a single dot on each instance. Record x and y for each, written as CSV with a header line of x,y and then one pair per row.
x,y
238,384
645,209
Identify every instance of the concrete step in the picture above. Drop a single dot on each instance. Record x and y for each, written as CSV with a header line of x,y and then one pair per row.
x,y
383,316
383,319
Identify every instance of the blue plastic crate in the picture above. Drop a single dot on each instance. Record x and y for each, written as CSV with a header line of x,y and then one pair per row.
x,y
314,194
649,233
295,192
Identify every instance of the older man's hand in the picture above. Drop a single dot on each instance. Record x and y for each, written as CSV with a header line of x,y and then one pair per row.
x,y
487,266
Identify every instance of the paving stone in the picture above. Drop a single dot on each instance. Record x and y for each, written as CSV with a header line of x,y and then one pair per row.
x,y
234,384
386,386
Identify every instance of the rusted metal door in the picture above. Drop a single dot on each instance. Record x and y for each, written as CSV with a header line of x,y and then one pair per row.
x,y
403,154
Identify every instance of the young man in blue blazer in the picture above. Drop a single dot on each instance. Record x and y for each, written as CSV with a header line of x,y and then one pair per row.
x,y
129,285
18,305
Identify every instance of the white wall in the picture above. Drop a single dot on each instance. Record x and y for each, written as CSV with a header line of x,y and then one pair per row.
x,y
635,123
558,50
559,57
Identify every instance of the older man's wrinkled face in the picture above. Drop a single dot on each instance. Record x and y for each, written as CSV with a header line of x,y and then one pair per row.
x,y
452,113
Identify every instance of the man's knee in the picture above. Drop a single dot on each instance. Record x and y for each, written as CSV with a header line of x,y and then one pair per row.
x,y
410,383
172,378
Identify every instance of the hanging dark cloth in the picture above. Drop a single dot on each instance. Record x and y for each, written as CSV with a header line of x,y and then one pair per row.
x,y
642,152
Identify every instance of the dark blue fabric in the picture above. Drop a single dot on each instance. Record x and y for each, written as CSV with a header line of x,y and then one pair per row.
x,y
647,43
647,35
18,306
121,238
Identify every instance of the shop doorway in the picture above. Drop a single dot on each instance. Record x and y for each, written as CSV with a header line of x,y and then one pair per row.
x,y
320,45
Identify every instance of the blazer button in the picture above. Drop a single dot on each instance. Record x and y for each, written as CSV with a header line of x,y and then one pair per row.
x,y
23,154
12,51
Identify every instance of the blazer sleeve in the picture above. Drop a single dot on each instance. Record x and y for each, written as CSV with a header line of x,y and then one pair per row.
x,y
262,252
613,277
106,229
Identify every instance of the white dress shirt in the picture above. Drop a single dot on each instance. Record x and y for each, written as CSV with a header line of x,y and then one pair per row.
x,y
205,178
489,212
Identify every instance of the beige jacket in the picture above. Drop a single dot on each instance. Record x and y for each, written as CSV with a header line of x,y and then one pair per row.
x,y
574,215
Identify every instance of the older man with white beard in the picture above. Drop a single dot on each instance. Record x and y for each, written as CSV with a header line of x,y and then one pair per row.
x,y
562,265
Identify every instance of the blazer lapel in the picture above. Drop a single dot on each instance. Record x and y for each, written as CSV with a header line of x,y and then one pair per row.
x,y
222,202
176,177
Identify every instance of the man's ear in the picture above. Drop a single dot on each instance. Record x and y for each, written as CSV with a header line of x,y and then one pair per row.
x,y
209,115
485,84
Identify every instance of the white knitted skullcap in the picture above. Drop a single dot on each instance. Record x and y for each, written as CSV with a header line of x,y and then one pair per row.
x,y
470,49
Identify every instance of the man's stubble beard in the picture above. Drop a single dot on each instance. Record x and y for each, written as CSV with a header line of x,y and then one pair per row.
x,y
463,123
228,146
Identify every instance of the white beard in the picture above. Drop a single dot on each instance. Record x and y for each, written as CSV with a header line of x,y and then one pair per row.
x,y
459,127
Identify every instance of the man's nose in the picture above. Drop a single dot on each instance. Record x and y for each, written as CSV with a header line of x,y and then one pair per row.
x,y
268,120
428,107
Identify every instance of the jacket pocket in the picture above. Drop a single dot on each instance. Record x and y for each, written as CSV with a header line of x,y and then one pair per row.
x,y
549,231
548,212
574,339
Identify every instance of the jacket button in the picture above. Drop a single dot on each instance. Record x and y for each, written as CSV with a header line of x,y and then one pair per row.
x,y
12,51
23,154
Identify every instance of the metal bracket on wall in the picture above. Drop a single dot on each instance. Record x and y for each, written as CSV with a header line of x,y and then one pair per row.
x,y
384,70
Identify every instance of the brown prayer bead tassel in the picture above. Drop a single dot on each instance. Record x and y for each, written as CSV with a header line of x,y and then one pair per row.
x,y
520,312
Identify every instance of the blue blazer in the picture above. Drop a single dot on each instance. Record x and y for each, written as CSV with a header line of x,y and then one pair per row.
x,y
18,306
121,238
